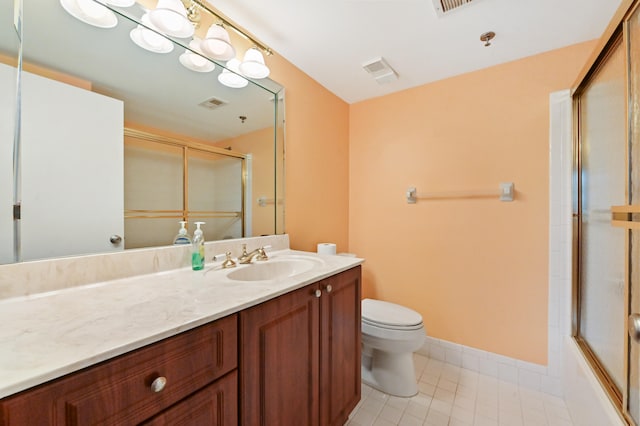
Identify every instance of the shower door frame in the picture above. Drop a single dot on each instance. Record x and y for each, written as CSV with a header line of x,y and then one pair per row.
x,y
617,32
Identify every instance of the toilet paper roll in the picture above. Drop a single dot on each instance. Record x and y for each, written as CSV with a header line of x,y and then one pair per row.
x,y
326,248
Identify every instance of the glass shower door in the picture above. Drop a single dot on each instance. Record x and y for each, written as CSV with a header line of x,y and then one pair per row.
x,y
603,176
632,402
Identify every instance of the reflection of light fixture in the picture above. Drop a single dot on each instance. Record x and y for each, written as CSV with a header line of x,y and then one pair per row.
x,y
253,64
120,3
194,61
170,17
149,39
230,79
90,12
217,44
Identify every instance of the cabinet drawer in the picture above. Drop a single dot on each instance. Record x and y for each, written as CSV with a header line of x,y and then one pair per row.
x,y
215,405
120,391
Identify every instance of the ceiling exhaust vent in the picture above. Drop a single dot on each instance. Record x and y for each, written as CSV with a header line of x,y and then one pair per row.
x,y
443,7
380,70
213,103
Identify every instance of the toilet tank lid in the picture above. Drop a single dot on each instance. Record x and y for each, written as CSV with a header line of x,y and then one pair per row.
x,y
389,313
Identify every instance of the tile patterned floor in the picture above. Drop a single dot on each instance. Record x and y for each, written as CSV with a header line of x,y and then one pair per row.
x,y
453,396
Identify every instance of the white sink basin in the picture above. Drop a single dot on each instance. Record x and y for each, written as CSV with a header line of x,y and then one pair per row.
x,y
275,268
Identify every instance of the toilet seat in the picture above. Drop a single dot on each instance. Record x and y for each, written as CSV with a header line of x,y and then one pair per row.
x,y
392,327
378,313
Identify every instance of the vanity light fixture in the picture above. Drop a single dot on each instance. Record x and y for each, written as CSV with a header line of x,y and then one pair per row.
x,y
253,65
170,17
194,61
217,44
145,37
90,12
230,79
179,18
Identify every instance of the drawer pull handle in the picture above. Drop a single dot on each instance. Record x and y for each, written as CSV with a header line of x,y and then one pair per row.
x,y
158,384
318,293
328,288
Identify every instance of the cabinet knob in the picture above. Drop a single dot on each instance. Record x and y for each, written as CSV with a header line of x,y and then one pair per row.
x,y
115,239
158,384
328,288
318,293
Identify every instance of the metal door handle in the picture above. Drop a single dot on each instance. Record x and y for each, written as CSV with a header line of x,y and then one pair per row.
x,y
634,327
115,239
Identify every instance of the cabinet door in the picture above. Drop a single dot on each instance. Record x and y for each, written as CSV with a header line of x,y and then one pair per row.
x,y
340,346
279,365
215,405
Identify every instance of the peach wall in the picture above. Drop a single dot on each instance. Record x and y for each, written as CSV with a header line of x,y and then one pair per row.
x,y
317,160
476,269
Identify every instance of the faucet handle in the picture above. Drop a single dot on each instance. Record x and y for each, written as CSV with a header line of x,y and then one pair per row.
x,y
228,263
262,255
244,250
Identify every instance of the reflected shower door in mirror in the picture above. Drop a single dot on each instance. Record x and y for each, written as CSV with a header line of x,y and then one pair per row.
x,y
161,97
168,180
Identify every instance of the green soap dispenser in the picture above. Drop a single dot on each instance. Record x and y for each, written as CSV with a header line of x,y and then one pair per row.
x,y
197,252
182,237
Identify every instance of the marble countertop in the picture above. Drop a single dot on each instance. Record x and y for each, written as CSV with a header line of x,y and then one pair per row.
x,y
47,335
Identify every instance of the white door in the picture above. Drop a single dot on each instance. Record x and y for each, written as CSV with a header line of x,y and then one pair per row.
x,y
72,170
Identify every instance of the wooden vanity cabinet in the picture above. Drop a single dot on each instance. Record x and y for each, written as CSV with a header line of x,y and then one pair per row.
x,y
201,386
300,355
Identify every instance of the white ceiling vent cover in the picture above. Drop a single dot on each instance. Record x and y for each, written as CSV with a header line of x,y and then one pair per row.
x,y
213,103
380,70
443,7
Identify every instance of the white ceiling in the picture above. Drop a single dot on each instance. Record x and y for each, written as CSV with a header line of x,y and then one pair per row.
x,y
330,40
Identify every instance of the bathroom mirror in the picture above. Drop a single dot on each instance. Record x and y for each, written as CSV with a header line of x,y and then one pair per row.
x,y
159,99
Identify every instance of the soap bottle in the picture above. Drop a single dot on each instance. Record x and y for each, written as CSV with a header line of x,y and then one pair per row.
x,y
197,252
182,237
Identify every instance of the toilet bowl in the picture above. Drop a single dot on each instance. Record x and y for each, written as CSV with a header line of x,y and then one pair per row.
x,y
390,335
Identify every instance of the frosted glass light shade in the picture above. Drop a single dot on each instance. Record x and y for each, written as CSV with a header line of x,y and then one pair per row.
x,y
90,12
193,61
148,39
217,44
231,79
121,3
170,17
253,64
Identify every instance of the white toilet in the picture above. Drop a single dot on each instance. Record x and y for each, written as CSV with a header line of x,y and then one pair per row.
x,y
390,335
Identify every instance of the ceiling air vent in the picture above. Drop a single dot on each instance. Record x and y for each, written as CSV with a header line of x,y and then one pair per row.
x,y
380,70
213,103
445,6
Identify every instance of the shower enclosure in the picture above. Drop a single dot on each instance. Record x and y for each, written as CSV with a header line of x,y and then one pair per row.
x,y
606,320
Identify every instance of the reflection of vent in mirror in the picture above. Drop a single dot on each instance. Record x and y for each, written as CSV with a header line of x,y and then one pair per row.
x,y
213,103
444,6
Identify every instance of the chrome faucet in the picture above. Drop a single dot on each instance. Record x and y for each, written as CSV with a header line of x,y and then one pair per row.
x,y
258,254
